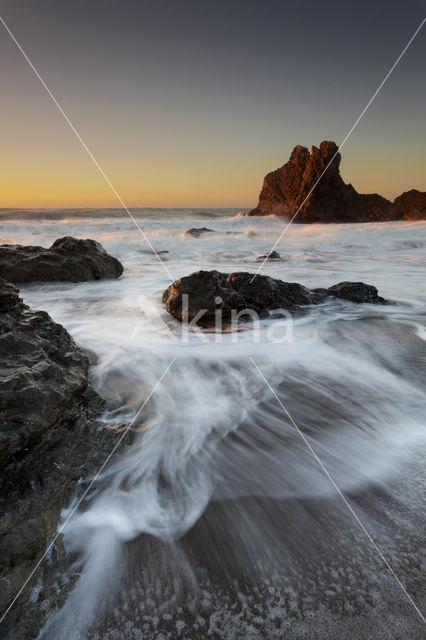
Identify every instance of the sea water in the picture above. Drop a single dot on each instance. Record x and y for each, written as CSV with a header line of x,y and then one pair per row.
x,y
246,444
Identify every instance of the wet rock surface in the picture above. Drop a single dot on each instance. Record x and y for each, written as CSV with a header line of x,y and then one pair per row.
x,y
49,440
197,297
272,255
68,259
356,292
288,188
195,232
413,204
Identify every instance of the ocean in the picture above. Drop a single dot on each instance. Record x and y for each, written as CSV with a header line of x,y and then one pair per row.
x,y
218,520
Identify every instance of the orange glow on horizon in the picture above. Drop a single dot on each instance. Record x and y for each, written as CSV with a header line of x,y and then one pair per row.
x,y
41,170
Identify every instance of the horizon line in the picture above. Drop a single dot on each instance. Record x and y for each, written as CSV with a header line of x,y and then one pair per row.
x,y
88,208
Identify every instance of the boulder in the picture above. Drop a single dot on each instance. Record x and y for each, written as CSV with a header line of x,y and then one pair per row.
x,y
356,292
272,255
288,188
199,296
68,259
413,204
195,232
49,439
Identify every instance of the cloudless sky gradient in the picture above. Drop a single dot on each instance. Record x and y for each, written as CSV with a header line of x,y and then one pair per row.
x,y
190,103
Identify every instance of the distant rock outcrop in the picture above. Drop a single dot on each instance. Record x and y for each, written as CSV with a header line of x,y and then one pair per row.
x,y
207,292
413,204
68,259
272,255
332,200
195,232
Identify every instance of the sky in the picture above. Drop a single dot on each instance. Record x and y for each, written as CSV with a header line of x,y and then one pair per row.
x,y
190,103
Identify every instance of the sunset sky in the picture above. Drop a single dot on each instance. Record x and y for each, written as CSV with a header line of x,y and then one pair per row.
x,y
190,103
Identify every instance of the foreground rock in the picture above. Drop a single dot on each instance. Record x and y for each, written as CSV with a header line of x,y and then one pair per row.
x,y
68,259
413,204
285,190
48,441
208,291
195,232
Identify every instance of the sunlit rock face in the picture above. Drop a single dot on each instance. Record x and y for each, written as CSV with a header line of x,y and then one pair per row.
x,y
413,204
288,189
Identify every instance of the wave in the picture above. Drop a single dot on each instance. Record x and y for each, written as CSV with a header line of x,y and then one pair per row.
x,y
218,488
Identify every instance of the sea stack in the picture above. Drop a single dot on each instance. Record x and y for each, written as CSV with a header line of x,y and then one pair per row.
x,y
312,182
413,204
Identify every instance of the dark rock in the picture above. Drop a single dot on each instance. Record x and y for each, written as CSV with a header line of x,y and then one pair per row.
x,y
285,190
9,297
413,204
202,288
207,292
42,374
356,292
272,255
68,259
49,439
195,232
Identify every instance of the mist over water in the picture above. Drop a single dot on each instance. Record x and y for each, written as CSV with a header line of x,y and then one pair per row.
x,y
218,489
